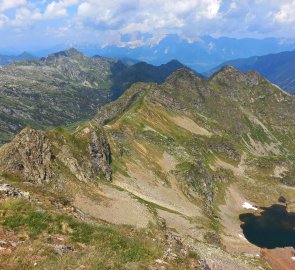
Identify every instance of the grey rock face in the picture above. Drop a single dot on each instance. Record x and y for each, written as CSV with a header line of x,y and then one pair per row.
x,y
62,249
35,156
29,155
100,154
10,191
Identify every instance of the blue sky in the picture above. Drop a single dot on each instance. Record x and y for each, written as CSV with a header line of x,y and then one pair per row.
x,y
43,23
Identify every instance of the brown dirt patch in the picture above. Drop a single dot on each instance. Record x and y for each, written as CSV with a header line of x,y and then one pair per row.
x,y
181,224
145,184
117,207
190,125
279,258
167,162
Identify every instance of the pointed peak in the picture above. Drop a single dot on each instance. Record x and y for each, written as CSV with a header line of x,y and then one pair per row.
x,y
174,62
26,55
228,74
226,70
71,53
182,74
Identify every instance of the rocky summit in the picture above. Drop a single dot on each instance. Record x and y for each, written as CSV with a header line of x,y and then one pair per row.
x,y
277,67
158,179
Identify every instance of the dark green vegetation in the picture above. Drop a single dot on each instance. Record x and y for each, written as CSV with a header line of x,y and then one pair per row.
x,y
64,88
278,68
143,72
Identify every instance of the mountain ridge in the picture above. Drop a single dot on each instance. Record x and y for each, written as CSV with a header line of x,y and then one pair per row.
x,y
275,67
65,87
167,161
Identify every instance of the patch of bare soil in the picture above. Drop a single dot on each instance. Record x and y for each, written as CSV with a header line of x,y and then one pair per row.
x,y
190,125
117,207
261,149
145,184
238,171
181,224
233,237
8,242
279,258
167,163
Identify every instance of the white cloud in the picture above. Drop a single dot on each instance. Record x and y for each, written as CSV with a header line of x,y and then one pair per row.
x,y
11,4
26,13
105,10
212,9
54,10
58,9
25,17
3,20
158,17
147,21
286,13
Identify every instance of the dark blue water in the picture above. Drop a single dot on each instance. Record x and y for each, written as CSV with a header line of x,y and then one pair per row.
x,y
274,227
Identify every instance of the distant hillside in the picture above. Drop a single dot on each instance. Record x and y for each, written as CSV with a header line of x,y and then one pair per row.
x,y
66,87
8,59
278,68
143,72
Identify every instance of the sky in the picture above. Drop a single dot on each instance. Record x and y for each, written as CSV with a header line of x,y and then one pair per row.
x,y
41,23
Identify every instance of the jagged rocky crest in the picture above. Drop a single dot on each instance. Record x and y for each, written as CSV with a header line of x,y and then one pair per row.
x,y
45,158
29,155
115,109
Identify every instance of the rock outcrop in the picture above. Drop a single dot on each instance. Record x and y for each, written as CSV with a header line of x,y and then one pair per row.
x,y
100,155
35,156
9,191
29,155
90,160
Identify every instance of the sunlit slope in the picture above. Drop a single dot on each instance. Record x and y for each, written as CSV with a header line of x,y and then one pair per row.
x,y
198,149
179,158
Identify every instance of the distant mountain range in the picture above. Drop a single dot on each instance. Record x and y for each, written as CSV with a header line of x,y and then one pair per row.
x,y
66,87
8,59
200,55
278,68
